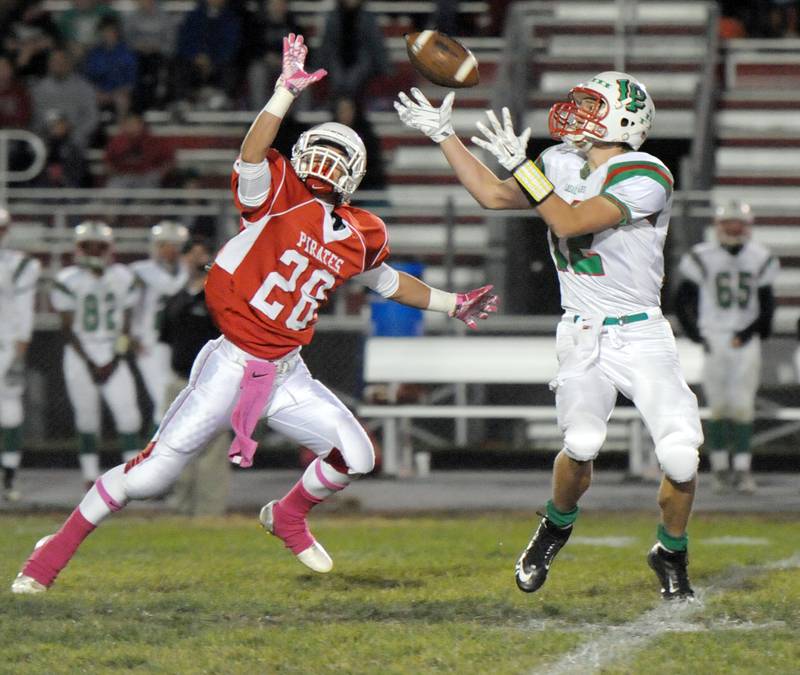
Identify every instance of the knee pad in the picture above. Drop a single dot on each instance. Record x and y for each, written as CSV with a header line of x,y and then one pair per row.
x,y
678,459
584,436
11,412
155,475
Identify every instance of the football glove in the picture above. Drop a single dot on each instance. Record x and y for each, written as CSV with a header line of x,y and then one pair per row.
x,y
435,123
293,76
509,149
474,305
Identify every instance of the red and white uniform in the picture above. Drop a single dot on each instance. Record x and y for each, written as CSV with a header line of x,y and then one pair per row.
x,y
268,282
264,291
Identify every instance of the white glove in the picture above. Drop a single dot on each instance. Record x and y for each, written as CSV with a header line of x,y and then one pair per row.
x,y
435,123
509,149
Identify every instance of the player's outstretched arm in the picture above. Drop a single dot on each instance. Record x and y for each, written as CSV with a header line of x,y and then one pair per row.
x,y
292,81
593,215
436,123
469,307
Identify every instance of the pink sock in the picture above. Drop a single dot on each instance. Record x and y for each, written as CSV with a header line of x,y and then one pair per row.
x,y
47,561
289,518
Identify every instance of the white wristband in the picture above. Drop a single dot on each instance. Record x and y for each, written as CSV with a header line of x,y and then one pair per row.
x,y
442,301
279,104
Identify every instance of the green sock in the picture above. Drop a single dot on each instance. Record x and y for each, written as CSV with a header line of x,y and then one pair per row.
x,y
742,433
129,442
560,518
672,543
715,436
12,439
87,444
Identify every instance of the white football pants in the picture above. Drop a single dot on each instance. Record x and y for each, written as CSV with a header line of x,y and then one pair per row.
x,y
640,360
731,376
119,393
10,396
299,407
154,366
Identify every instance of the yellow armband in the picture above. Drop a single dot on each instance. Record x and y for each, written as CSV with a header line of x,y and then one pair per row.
x,y
532,181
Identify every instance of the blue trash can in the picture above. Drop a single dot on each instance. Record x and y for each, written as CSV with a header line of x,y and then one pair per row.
x,y
391,319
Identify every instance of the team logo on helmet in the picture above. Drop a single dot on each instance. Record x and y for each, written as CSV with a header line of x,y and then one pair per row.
x,y
612,107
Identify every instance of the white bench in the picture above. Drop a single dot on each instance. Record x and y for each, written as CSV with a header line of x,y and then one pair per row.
x,y
463,360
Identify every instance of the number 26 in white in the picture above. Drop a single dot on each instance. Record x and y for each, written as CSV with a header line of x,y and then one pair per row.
x,y
311,292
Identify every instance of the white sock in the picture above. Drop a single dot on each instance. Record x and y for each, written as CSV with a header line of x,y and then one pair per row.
x,y
719,460
742,461
90,465
11,460
93,507
321,480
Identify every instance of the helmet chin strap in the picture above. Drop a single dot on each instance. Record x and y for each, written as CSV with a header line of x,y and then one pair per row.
x,y
320,187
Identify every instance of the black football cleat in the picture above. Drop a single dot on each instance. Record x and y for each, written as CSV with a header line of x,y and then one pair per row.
x,y
534,563
670,568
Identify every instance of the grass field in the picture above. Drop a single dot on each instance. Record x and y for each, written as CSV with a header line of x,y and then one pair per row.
x,y
407,595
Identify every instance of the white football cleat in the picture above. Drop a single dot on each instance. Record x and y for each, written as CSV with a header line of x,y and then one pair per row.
x,y
24,585
315,557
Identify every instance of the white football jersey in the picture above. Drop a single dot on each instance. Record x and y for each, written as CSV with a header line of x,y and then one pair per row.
x,y
156,284
620,270
728,284
98,303
19,274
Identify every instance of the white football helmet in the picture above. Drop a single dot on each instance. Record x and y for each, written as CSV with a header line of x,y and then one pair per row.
x,y
169,231
94,241
733,221
612,107
329,149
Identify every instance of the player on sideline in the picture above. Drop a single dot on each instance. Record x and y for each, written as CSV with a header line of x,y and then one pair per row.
x,y
607,208
725,302
300,239
19,274
157,279
94,298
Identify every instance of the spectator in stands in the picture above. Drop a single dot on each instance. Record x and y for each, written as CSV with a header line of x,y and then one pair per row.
x,y
111,68
66,91
348,111
79,25
783,18
134,157
202,488
262,47
208,42
15,112
65,166
150,32
29,33
15,100
204,225
353,50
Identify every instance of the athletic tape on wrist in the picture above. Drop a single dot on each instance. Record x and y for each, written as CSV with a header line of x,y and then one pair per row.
x,y
532,180
442,301
279,104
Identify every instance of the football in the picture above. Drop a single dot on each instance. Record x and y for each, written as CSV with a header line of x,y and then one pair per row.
x,y
442,59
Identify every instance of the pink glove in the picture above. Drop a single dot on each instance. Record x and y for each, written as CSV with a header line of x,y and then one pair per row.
x,y
473,305
293,76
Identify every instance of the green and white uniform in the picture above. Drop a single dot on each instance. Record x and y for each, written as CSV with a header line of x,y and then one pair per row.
x,y
728,303
98,305
613,336
156,284
19,274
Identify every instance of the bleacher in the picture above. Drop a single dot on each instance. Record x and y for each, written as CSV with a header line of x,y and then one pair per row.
x,y
758,136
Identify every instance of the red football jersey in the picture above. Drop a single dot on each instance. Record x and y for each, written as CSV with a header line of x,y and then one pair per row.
x,y
268,281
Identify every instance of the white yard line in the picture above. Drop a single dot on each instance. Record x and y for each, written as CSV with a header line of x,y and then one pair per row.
x,y
612,643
